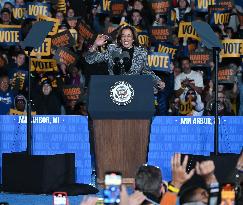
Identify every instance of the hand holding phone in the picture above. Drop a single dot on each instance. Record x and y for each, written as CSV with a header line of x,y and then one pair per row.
x,y
112,189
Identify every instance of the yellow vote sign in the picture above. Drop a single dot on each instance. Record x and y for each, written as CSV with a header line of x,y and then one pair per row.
x,y
143,39
202,5
43,50
186,30
159,61
9,34
232,48
165,48
36,8
106,6
18,12
43,65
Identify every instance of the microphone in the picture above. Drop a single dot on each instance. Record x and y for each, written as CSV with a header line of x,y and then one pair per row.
x,y
116,56
125,56
121,61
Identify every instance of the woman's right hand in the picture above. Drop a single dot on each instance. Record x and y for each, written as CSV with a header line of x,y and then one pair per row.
x,y
101,40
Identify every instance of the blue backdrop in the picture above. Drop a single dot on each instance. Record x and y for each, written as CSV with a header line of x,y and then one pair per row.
x,y
69,134
51,135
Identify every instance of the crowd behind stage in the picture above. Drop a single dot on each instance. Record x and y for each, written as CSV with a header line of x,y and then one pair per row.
x,y
59,82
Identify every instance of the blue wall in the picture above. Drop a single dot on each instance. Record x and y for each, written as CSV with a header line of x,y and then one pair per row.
x,y
51,135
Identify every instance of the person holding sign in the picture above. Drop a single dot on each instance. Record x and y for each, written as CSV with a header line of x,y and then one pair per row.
x,y
182,9
186,81
123,58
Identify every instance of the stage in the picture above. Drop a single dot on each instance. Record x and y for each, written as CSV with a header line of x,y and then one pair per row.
x,y
69,134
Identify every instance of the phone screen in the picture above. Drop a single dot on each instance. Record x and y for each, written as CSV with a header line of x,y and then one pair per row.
x,y
112,188
59,198
228,194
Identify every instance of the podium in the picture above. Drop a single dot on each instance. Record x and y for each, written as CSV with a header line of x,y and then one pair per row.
x,y
120,108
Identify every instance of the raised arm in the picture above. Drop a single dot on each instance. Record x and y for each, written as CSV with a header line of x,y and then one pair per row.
x,y
93,55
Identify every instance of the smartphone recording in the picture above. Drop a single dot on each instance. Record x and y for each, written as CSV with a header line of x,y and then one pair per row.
x,y
112,189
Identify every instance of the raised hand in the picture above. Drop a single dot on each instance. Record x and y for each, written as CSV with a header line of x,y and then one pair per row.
x,y
206,170
101,40
134,199
179,174
239,165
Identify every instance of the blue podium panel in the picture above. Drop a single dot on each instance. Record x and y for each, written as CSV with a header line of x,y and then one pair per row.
x,y
51,135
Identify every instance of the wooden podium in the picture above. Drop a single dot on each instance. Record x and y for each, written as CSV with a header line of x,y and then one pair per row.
x,y
120,133
120,145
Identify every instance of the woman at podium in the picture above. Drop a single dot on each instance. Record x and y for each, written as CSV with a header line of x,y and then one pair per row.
x,y
125,57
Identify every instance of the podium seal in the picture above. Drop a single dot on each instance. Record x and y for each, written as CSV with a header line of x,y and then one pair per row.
x,y
121,93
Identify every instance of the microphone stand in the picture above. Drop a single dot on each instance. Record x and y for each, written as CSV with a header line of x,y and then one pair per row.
x,y
122,67
216,51
29,117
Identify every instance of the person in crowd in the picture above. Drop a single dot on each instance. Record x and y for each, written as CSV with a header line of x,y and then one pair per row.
x,y
6,95
143,7
18,73
19,2
227,96
196,190
8,5
224,106
6,17
20,103
47,102
240,88
160,20
93,19
188,79
190,104
164,95
137,20
70,13
183,8
148,180
135,57
60,16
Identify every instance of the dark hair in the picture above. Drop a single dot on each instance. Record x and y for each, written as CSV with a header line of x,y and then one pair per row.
x,y
188,189
193,93
134,33
3,74
5,10
137,11
187,3
184,58
149,181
